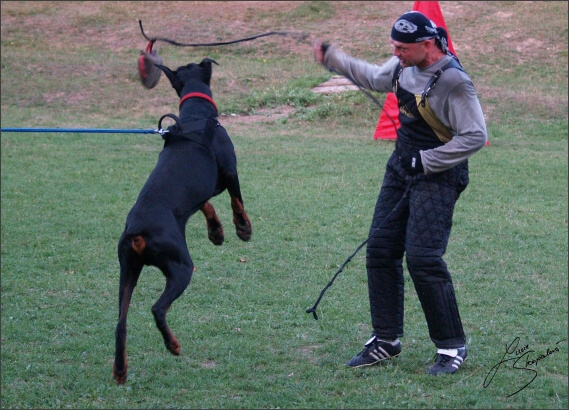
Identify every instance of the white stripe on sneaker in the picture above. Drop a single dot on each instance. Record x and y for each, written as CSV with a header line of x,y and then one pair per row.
x,y
379,353
457,362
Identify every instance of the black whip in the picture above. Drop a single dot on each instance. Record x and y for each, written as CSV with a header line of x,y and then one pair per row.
x,y
313,308
300,36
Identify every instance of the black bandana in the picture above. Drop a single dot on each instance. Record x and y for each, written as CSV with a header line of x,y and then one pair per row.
x,y
414,27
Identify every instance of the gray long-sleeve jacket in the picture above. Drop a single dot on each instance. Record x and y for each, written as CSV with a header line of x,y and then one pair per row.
x,y
453,100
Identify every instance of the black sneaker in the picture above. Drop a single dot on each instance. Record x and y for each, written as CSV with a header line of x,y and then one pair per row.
x,y
375,350
448,364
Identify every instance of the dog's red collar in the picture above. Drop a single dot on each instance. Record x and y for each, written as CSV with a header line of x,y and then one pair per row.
x,y
199,95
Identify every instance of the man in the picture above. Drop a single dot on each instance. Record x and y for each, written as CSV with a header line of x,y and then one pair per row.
x,y
441,126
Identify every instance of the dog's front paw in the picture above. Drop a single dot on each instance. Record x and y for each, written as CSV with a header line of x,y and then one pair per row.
x,y
243,227
216,234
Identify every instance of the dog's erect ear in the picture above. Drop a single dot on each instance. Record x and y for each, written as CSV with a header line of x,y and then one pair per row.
x,y
208,60
206,65
172,76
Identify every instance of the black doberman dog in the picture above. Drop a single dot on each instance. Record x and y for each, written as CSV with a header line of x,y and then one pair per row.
x,y
197,163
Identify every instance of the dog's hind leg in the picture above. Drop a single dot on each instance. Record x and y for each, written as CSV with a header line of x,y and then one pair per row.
x,y
214,228
130,267
178,274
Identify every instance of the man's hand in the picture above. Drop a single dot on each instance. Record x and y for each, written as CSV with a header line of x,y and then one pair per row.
x,y
319,50
411,162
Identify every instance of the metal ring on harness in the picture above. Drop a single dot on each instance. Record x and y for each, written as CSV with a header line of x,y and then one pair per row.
x,y
176,119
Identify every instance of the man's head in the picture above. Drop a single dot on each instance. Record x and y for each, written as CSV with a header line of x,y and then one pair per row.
x,y
417,41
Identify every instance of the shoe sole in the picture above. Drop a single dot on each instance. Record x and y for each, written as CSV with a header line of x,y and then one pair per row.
x,y
376,362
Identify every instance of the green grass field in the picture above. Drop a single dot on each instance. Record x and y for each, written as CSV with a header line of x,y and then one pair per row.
x,y
309,181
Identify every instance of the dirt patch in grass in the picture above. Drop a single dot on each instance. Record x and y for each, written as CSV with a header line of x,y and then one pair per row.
x,y
260,115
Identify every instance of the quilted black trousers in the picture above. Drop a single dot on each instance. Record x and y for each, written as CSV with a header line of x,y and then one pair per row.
x,y
419,229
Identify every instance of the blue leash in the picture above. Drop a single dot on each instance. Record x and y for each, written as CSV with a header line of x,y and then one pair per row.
x,y
86,130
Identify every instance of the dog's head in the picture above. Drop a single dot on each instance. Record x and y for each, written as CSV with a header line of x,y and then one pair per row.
x,y
190,78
